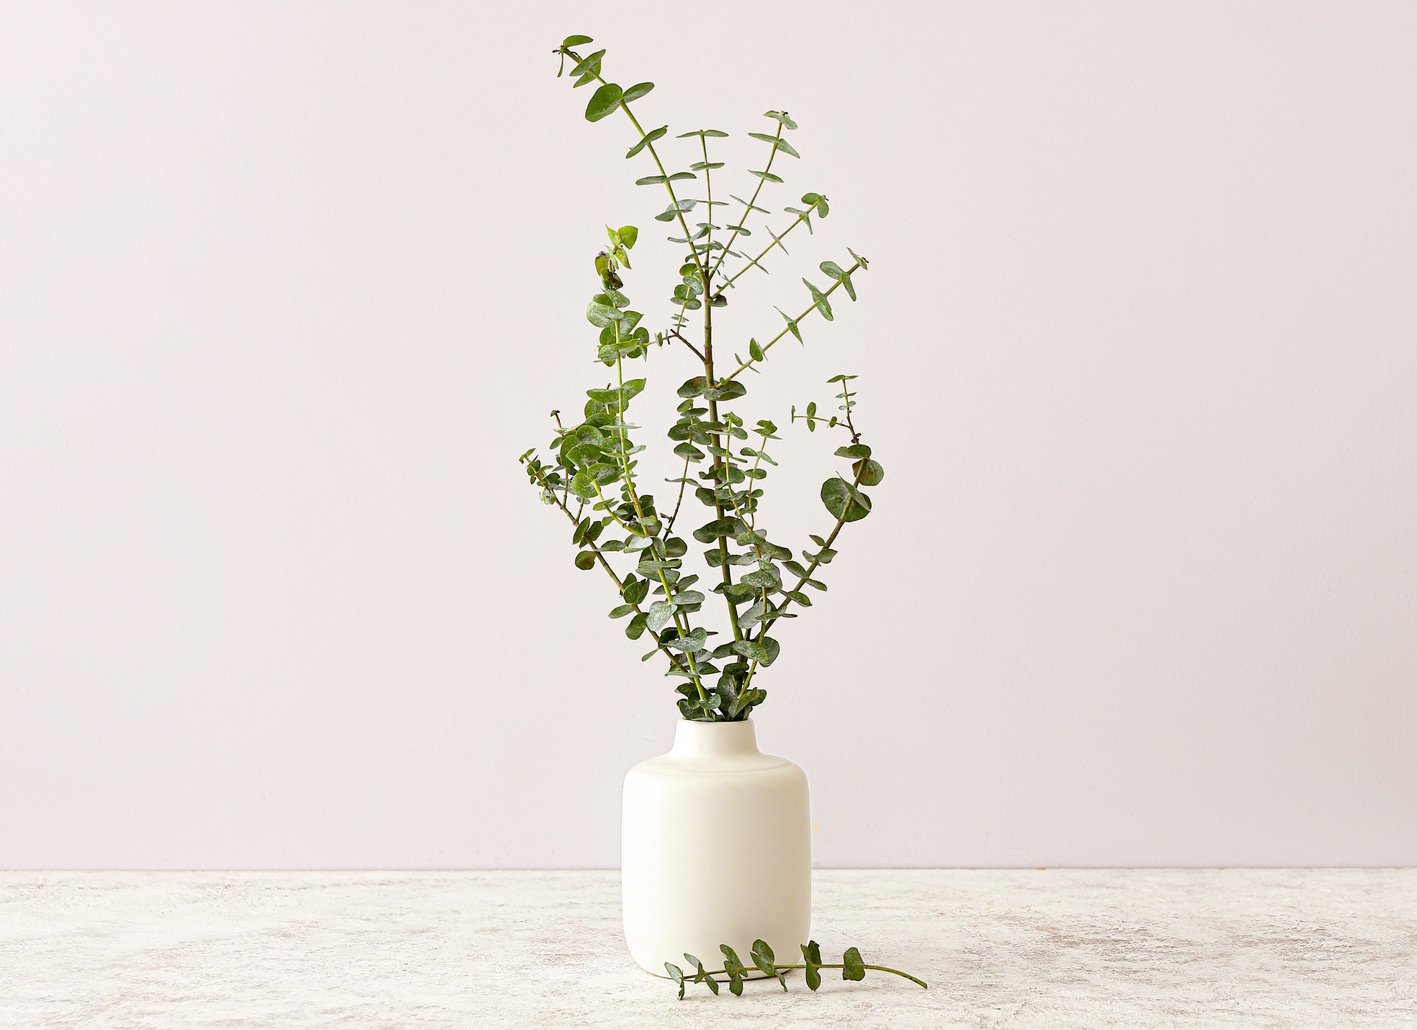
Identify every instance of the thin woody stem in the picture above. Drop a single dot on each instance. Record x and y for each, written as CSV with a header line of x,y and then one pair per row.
x,y
767,346
681,620
824,965
748,210
776,242
649,147
802,581
609,570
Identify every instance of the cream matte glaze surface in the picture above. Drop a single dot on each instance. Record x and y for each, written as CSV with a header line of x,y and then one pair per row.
x,y
715,849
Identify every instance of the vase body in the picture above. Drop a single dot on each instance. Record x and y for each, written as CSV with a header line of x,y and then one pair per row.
x,y
715,849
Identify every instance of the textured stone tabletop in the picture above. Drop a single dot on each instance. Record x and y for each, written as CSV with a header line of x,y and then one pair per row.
x,y
1167,948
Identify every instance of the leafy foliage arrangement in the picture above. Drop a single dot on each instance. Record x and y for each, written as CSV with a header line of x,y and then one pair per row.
x,y
593,474
851,965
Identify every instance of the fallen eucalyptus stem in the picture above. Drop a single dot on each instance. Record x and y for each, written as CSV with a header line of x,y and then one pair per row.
x,y
851,965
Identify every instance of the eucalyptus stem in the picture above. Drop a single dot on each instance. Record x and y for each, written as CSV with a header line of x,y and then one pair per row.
x,y
717,464
768,346
609,570
681,620
802,580
673,199
828,965
748,208
852,967
683,481
776,242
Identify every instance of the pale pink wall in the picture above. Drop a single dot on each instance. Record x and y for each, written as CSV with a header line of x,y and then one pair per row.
x,y
284,289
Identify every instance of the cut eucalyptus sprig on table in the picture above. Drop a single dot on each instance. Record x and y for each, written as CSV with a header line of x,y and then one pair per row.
x,y
592,473
852,967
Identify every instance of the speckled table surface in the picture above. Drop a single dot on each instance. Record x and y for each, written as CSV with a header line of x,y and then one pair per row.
x,y
1044,948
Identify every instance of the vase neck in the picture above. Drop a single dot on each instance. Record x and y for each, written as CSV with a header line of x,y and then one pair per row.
x,y
709,739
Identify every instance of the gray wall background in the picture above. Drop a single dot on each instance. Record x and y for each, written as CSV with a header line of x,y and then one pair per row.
x,y
286,289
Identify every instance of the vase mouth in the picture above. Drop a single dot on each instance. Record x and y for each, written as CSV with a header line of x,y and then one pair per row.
x,y
693,737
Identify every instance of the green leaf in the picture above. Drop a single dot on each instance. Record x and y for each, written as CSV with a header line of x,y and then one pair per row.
x,y
638,90
842,501
791,324
583,484
755,350
852,967
763,579
731,961
820,300
628,235
778,142
635,627
587,68
726,391
835,271
678,975
621,610
660,614
868,472
763,957
855,450
693,643
646,140
750,649
585,560
781,117
700,974
576,40
635,592
715,529
812,956
693,387
603,102
766,176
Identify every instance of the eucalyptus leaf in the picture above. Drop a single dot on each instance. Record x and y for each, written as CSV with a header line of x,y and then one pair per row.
x,y
843,501
603,102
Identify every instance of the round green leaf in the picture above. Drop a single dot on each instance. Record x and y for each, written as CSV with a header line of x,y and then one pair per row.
x,y
852,967
604,102
842,501
868,471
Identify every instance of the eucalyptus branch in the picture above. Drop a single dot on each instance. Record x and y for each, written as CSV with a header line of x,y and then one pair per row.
x,y
792,324
776,243
600,559
678,501
717,466
687,343
616,97
681,620
851,965
750,205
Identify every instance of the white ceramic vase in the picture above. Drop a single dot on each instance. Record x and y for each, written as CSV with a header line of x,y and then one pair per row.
x,y
715,849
